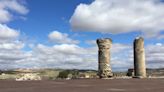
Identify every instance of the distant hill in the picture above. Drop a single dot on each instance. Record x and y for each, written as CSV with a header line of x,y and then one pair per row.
x,y
150,72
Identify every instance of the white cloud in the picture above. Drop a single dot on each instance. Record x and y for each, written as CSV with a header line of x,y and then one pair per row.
x,y
11,53
6,6
161,36
11,46
120,16
8,10
111,16
117,47
64,56
7,33
62,38
159,44
72,56
91,42
121,58
155,55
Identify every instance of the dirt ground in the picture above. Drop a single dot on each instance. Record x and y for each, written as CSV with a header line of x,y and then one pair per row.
x,y
84,85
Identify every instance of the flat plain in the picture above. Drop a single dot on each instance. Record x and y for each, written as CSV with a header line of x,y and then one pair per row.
x,y
84,85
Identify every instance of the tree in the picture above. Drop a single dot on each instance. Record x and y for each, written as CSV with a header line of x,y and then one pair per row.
x,y
63,74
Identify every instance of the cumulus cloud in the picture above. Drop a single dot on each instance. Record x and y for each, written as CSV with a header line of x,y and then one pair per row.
x,y
110,16
72,56
65,56
10,47
7,33
11,53
6,6
90,42
155,57
8,10
161,36
120,16
61,38
121,58
77,57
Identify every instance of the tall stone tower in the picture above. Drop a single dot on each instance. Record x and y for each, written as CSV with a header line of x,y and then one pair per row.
x,y
139,58
104,68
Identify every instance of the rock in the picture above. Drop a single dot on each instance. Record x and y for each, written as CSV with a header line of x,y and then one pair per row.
x,y
29,76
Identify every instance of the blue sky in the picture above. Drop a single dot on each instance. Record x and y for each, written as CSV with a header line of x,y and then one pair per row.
x,y
45,17
62,33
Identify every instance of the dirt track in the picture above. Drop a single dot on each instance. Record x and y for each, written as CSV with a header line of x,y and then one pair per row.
x,y
86,85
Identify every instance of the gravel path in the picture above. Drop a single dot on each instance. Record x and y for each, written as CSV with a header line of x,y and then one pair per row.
x,y
84,85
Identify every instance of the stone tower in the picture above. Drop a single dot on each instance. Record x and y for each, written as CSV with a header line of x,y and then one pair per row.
x,y
139,58
104,68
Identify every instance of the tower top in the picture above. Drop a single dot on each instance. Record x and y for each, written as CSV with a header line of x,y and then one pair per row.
x,y
102,40
139,37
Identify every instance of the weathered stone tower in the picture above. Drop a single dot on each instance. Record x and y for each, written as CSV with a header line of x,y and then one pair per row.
x,y
104,68
139,58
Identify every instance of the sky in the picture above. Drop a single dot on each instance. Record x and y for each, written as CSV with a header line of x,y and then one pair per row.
x,y
62,33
